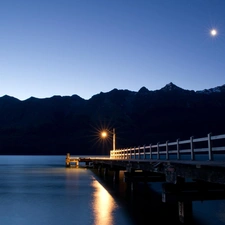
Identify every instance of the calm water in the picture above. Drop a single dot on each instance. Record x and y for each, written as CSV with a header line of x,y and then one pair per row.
x,y
39,190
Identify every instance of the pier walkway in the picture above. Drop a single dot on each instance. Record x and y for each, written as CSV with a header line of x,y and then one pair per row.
x,y
189,170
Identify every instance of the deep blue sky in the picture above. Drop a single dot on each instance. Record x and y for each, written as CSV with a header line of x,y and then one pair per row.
x,y
84,47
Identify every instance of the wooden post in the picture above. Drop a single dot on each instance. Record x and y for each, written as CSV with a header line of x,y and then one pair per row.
x,y
68,160
139,155
167,152
99,170
185,211
150,151
144,152
192,148
158,150
178,149
105,173
210,147
116,174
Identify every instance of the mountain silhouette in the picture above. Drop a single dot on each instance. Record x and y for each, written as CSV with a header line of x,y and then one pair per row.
x,y
58,125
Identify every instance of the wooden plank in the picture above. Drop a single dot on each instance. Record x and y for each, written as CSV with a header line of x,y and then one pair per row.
x,y
184,142
200,139
222,136
172,143
218,148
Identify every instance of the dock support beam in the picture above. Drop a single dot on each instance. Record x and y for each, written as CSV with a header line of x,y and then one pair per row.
x,y
105,173
116,176
99,169
68,160
185,211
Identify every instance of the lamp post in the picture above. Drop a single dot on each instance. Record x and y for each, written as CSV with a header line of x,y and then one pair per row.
x,y
104,134
114,139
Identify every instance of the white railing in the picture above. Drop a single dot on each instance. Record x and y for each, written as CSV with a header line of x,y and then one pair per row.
x,y
188,149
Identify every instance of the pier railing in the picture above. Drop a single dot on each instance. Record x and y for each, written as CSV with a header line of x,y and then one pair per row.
x,y
205,148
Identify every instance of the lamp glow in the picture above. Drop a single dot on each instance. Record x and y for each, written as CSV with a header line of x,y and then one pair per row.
x,y
104,134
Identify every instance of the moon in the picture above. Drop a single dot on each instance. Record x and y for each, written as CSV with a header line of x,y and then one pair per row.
x,y
213,32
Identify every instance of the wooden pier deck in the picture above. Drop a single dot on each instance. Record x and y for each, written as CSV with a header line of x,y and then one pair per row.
x,y
189,170
76,160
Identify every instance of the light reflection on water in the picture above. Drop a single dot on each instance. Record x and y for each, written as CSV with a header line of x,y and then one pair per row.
x,y
103,204
39,190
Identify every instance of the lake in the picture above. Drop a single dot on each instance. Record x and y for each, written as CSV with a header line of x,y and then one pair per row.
x,y
40,190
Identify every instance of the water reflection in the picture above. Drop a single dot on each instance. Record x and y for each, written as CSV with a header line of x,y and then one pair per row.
x,y
221,212
103,205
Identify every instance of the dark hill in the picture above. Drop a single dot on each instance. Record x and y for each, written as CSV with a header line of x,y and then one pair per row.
x,y
58,125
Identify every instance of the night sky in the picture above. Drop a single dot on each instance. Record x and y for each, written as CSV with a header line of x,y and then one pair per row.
x,y
84,47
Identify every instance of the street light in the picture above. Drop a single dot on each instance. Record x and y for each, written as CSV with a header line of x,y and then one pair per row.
x,y
104,134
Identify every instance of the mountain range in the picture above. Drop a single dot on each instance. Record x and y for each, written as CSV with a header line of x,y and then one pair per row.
x,y
62,124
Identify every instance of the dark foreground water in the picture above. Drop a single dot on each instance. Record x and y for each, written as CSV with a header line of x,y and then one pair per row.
x,y
39,190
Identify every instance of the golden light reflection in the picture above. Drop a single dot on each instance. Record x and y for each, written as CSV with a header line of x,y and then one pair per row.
x,y
103,205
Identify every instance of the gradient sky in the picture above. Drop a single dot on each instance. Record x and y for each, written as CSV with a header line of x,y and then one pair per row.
x,y
84,47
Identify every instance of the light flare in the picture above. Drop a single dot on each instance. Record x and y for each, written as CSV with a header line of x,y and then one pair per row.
x,y
104,134
213,32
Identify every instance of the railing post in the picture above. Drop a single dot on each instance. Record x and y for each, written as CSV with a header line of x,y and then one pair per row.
x,y
158,150
167,153
210,147
144,152
134,152
192,148
68,159
139,155
150,151
178,149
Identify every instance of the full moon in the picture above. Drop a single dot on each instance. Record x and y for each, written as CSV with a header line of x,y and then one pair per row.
x,y
213,32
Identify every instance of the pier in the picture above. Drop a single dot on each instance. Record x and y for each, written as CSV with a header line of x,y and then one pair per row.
x,y
76,160
189,170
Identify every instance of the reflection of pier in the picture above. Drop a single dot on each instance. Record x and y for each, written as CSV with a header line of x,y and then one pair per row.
x,y
184,179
